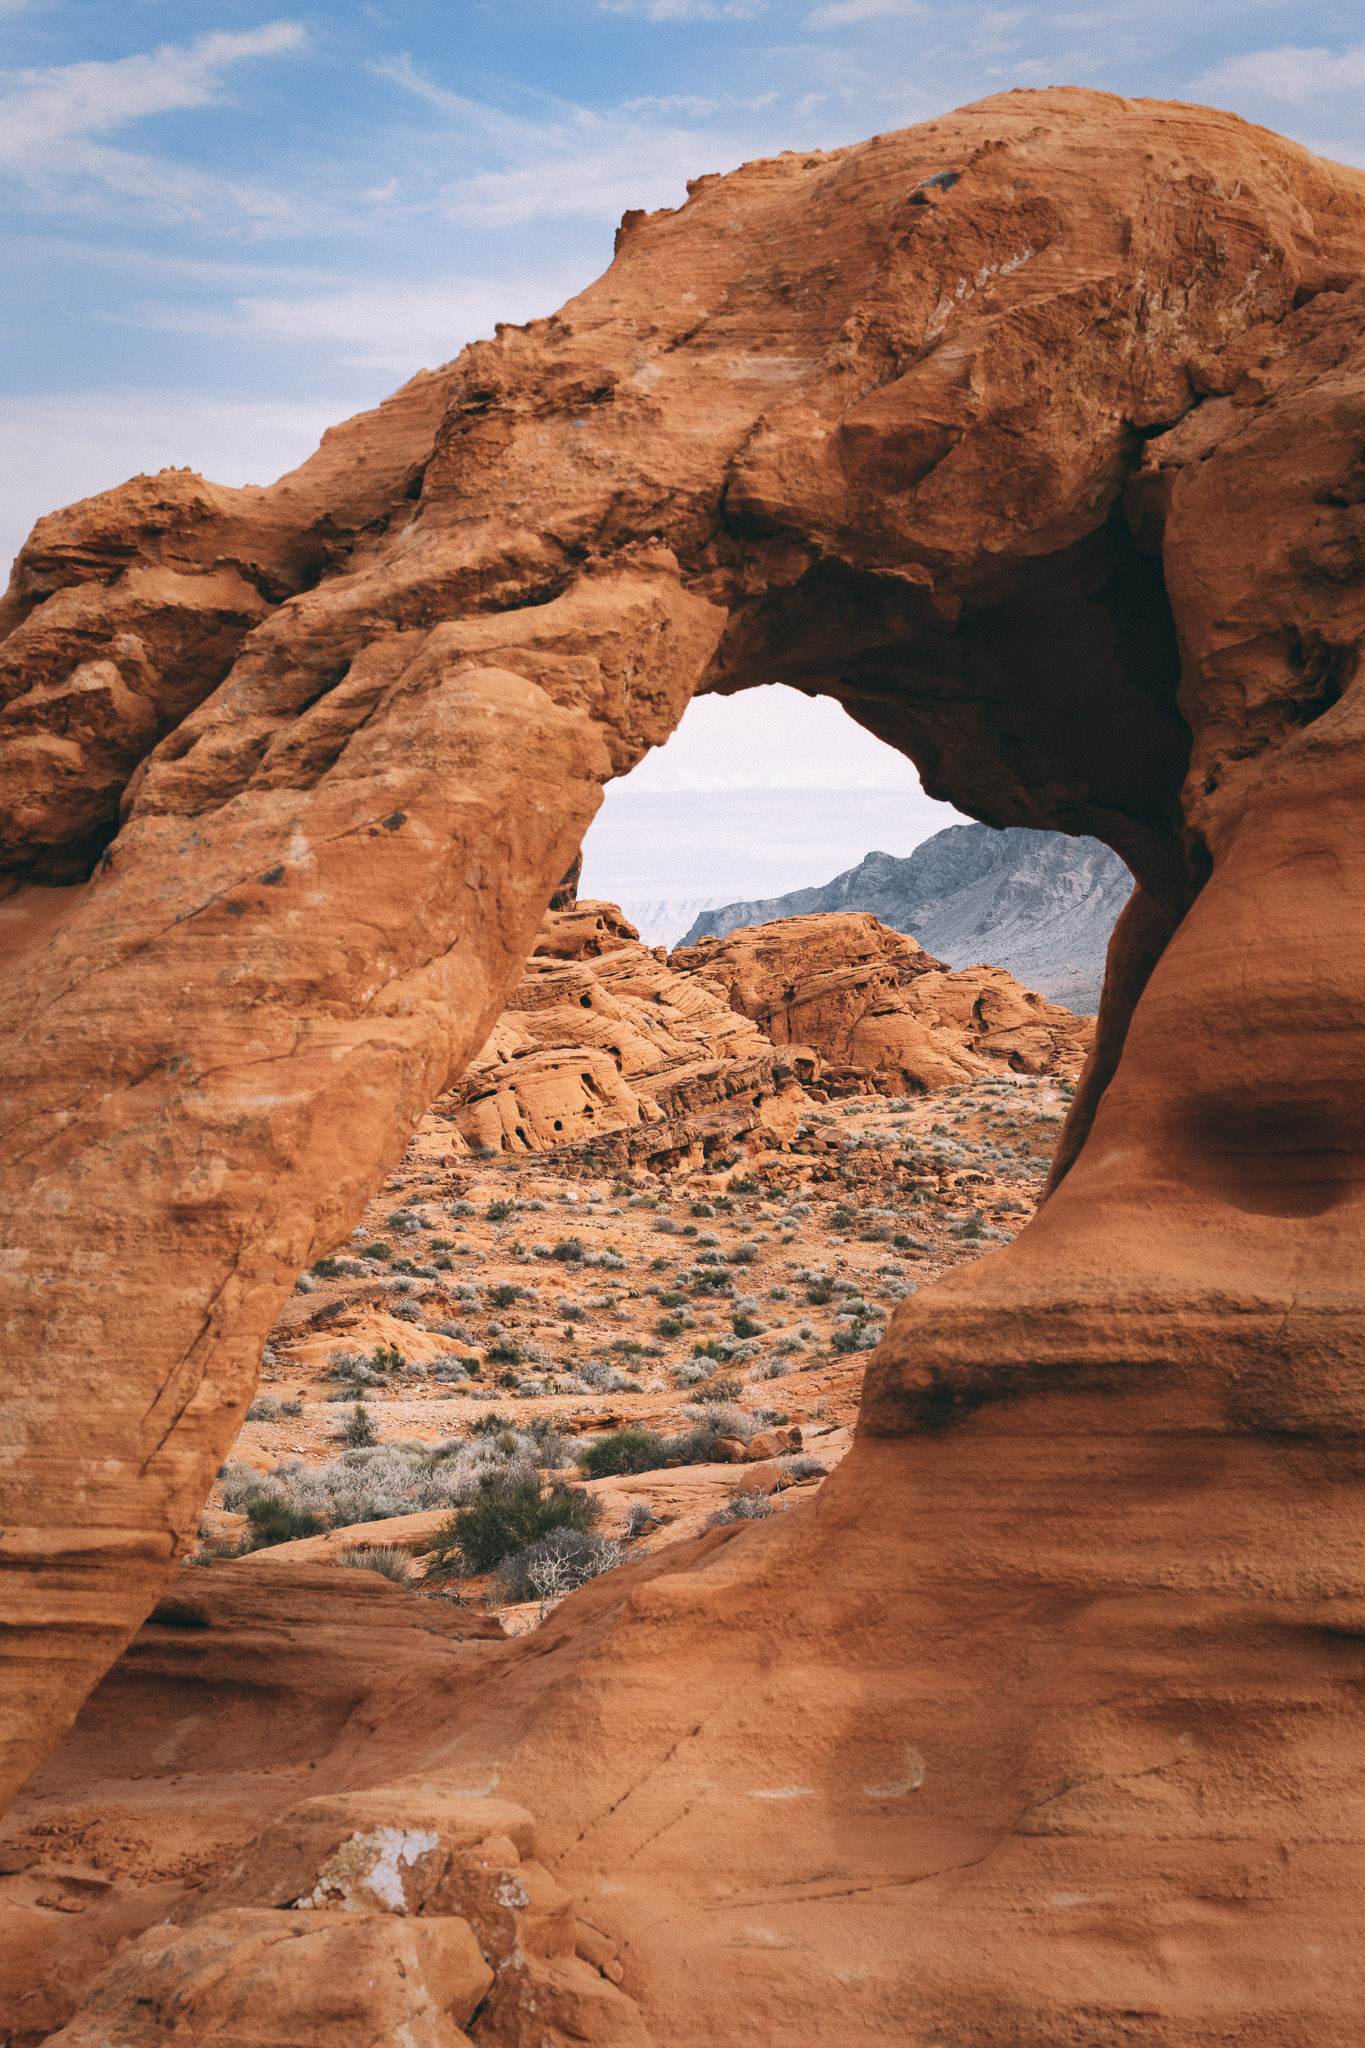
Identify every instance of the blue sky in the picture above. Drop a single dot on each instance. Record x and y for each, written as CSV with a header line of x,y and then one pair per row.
x,y
227,223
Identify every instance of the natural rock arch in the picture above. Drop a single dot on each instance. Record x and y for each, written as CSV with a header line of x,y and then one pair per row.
x,y
1033,434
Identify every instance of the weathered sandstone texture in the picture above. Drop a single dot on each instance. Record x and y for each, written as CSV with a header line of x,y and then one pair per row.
x,y
1033,434
874,1004
689,1056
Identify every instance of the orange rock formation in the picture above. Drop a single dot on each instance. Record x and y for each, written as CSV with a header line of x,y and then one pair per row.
x,y
876,1005
601,1035
1033,434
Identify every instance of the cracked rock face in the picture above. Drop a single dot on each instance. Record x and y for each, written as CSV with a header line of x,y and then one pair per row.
x,y
1033,434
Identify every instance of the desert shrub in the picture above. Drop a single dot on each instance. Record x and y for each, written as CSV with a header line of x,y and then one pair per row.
x,y
775,1369
717,1282
745,1326
569,1249
504,1354
670,1326
387,1558
499,1211
555,1565
741,1507
703,1209
359,1431
860,1337
504,1297
690,1374
490,1424
602,1378
327,1269
509,1511
274,1520
639,1517
802,1466
625,1450
268,1409
820,1293
377,1250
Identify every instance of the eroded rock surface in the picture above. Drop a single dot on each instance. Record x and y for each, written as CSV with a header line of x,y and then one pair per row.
x,y
879,1008
729,1043
1033,434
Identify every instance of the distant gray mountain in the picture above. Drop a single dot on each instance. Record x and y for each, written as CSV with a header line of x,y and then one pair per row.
x,y
1036,903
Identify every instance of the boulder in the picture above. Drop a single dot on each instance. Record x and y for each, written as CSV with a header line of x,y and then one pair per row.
x,y
246,1978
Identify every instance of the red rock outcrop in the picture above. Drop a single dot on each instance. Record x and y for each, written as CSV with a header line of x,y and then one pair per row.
x,y
602,1035
1033,434
878,1008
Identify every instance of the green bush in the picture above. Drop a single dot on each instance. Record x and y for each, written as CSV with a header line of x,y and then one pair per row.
x,y
625,1450
509,1511
820,1293
569,1248
670,1326
499,1211
359,1432
504,1354
275,1521
377,1250
745,1326
503,1297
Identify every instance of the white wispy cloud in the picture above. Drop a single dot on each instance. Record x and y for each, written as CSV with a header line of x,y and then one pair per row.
x,y
569,161
388,324
50,122
848,13
696,104
687,10
1294,76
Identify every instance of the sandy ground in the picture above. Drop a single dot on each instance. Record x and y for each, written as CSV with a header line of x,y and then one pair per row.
x,y
457,1289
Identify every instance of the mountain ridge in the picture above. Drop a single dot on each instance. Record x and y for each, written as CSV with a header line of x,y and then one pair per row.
x,y
1039,904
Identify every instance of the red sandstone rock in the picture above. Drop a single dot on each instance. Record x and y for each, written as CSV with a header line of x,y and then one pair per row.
x,y
1042,1725
877,1007
244,1979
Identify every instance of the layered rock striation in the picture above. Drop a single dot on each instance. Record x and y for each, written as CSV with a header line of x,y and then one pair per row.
x,y
881,1010
728,1044
1033,435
